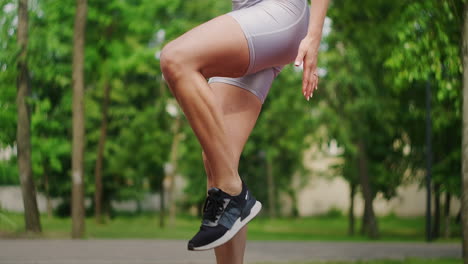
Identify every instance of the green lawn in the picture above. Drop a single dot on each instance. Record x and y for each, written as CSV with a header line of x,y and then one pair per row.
x,y
406,261
147,226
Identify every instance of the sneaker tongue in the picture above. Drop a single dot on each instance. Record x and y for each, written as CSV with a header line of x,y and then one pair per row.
x,y
214,190
217,192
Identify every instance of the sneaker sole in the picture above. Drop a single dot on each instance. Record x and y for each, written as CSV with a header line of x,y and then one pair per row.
x,y
238,225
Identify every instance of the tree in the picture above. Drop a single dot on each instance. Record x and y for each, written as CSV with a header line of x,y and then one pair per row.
x,y
23,138
464,199
358,106
8,76
369,222
51,149
100,155
427,52
78,210
49,67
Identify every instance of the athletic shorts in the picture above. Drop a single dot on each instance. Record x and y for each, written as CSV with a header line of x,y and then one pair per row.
x,y
274,30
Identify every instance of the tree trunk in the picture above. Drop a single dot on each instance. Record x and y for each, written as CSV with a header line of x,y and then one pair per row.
x,y
295,209
107,211
464,198
351,221
436,226
172,171
448,198
78,210
271,189
23,133
100,155
369,227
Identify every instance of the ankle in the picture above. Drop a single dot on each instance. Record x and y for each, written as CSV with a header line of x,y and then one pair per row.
x,y
232,188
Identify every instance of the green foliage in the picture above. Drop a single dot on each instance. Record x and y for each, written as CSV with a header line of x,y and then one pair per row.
x,y
357,103
334,213
380,56
122,41
8,55
428,51
50,147
9,172
378,59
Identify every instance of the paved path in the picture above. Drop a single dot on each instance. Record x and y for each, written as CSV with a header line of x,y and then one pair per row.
x,y
174,252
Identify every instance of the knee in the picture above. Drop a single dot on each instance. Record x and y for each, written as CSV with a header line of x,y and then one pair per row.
x,y
171,61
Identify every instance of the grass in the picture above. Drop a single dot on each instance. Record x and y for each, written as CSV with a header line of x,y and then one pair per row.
x,y
406,261
147,226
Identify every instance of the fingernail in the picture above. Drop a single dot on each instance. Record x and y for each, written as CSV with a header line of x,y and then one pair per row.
x,y
308,98
304,94
297,63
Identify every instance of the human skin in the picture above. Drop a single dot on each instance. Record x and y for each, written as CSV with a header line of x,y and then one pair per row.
x,y
221,115
186,63
309,47
240,110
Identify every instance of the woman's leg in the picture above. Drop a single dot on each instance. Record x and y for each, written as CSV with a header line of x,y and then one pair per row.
x,y
240,110
216,48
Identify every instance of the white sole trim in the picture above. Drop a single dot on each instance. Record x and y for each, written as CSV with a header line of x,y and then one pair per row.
x,y
238,225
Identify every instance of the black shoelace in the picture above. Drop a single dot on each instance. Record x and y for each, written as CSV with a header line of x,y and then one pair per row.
x,y
214,206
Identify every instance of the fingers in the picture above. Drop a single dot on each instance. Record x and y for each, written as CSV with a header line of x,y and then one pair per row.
x,y
309,80
300,60
306,81
309,61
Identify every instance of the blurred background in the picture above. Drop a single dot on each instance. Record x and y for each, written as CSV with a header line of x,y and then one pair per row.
x,y
351,164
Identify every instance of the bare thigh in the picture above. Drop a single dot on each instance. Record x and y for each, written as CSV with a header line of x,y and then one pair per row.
x,y
215,48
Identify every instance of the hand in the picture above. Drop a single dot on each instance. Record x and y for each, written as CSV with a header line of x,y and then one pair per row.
x,y
307,55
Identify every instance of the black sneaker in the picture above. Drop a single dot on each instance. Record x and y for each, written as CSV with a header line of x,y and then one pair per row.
x,y
223,216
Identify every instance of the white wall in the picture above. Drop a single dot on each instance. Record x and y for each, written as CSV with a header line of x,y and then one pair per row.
x,y
321,195
325,191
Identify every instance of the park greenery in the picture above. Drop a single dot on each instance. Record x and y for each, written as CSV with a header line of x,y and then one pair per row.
x,y
328,227
376,61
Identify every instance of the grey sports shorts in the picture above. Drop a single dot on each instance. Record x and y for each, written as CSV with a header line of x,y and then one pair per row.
x,y
274,30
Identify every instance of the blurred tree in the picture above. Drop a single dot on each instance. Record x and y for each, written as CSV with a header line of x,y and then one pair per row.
x,y
427,50
23,138
49,62
100,154
9,52
381,88
123,50
359,109
51,70
464,199
374,111
51,148
78,148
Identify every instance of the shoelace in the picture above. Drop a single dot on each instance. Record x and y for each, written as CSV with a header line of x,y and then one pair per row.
x,y
214,206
